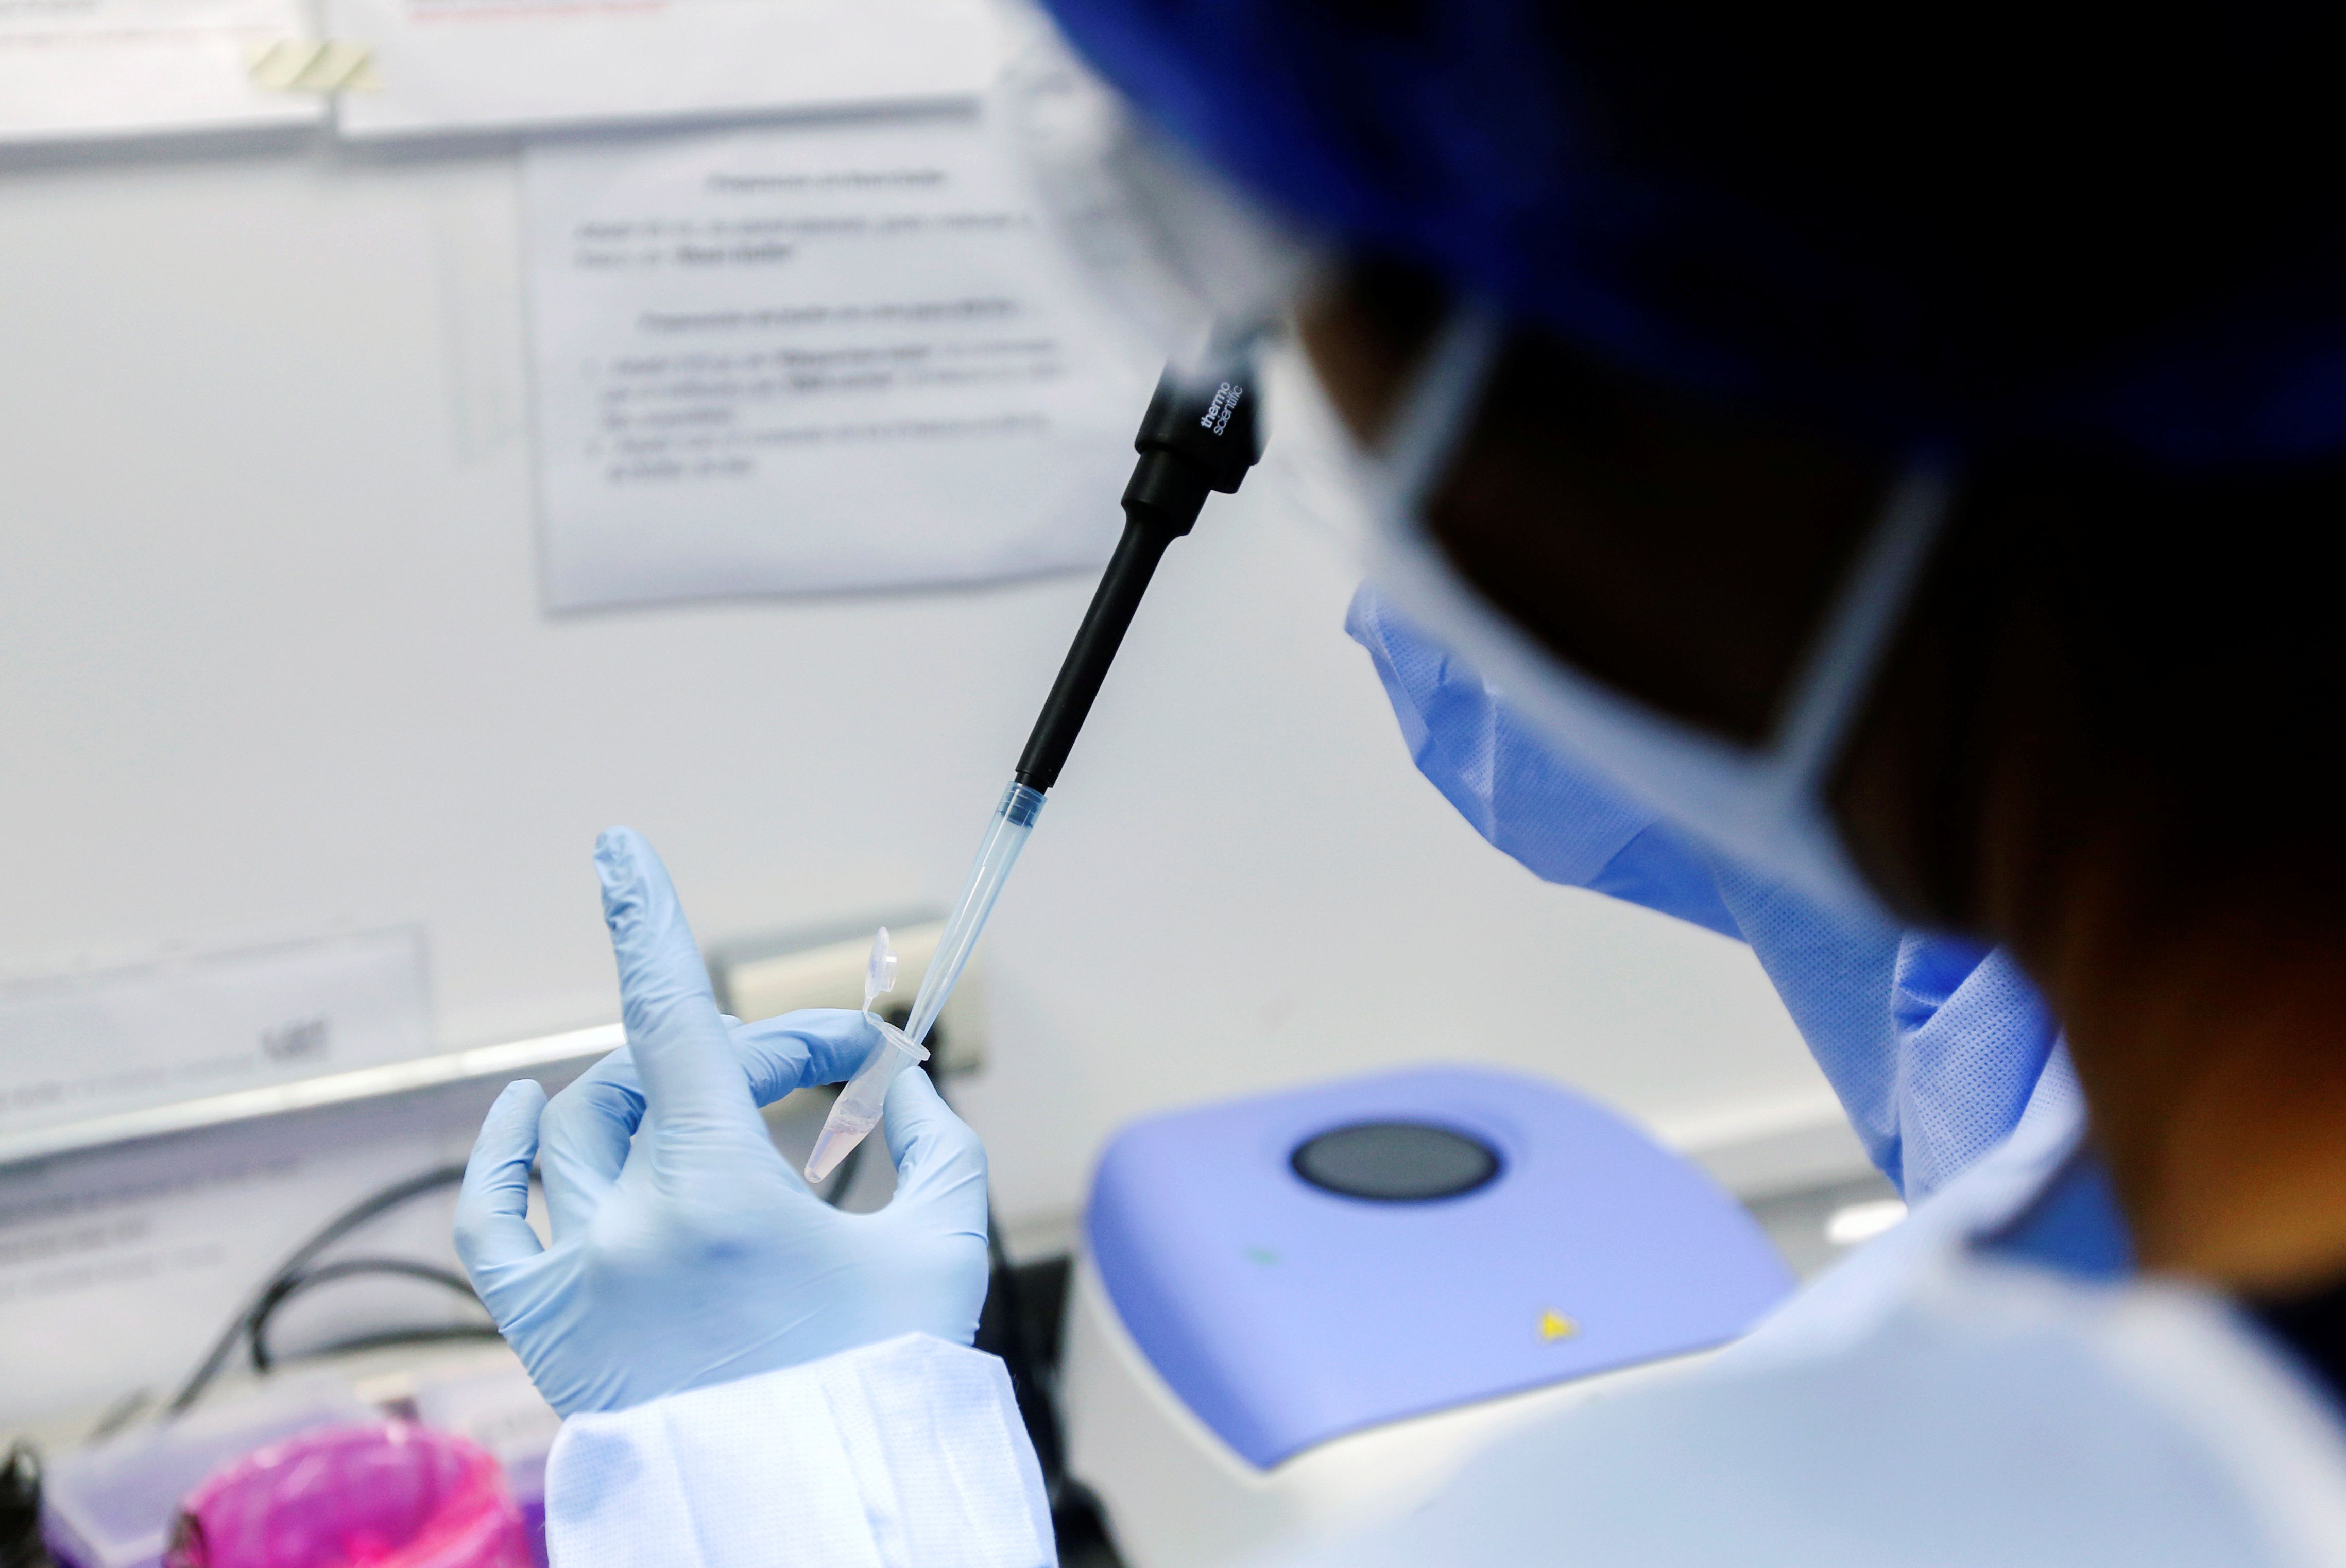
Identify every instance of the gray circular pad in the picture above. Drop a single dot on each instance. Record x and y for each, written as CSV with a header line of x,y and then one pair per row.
x,y
1395,1162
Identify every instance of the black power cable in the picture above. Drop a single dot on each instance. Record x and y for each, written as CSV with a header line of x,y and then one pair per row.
x,y
289,1286
265,1300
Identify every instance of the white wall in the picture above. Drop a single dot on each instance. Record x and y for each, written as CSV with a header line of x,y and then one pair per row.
x,y
272,661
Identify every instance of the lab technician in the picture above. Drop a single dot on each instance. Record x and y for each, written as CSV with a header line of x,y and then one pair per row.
x,y
1857,484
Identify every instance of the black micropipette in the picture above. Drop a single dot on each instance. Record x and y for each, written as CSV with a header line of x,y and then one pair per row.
x,y
1199,436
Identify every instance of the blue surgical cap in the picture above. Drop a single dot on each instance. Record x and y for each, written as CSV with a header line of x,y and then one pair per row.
x,y
2124,232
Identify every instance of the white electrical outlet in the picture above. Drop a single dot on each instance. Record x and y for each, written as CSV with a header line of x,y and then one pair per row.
x,y
765,979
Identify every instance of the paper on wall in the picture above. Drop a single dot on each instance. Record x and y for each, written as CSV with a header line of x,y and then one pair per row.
x,y
474,64
72,70
824,357
120,1040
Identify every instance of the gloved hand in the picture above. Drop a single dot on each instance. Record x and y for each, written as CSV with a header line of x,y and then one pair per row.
x,y
697,1255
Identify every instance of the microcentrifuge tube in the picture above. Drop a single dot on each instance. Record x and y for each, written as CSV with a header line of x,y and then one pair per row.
x,y
859,1106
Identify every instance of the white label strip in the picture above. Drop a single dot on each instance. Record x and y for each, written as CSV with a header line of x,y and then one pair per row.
x,y
77,1047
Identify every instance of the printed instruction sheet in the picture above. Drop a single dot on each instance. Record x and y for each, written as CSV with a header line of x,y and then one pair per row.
x,y
93,1044
77,69
829,357
474,65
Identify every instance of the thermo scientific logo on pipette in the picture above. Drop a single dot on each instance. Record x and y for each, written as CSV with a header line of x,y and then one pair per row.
x,y
1216,417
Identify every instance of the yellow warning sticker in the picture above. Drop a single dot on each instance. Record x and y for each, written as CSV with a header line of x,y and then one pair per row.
x,y
1555,1325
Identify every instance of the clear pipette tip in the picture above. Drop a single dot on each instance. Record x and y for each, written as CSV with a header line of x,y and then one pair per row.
x,y
1005,835
857,1108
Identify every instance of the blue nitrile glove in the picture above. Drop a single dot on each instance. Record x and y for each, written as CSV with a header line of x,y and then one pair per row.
x,y
697,1255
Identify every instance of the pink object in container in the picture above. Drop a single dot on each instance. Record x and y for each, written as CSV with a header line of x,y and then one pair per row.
x,y
390,1496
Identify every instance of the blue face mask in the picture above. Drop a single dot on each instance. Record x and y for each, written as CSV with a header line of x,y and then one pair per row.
x,y
1763,807
1936,1045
